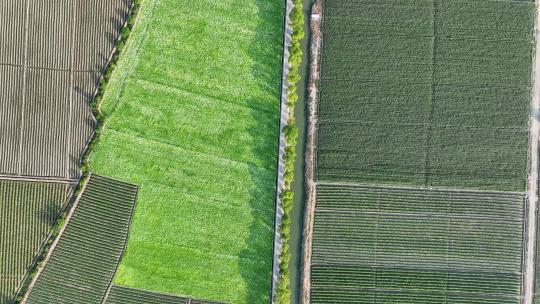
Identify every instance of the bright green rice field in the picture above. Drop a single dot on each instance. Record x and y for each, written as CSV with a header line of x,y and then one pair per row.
x,y
192,114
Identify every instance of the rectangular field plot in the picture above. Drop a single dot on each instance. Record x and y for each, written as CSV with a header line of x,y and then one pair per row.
x,y
432,93
28,211
126,295
84,261
51,57
390,245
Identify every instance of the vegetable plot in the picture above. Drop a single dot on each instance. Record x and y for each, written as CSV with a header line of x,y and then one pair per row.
x,y
28,210
416,246
427,93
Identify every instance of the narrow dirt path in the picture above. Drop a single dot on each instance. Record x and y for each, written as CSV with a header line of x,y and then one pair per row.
x,y
532,182
311,147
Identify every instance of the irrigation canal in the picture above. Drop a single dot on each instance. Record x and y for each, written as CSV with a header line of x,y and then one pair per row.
x,y
297,215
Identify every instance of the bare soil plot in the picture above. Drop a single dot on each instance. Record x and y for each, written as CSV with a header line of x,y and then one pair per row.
x,y
52,55
28,210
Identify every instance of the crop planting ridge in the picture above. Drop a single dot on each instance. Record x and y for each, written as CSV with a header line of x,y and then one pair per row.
x,y
84,260
47,87
28,211
126,295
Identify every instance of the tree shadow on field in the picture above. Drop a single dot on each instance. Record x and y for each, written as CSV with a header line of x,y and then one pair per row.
x,y
265,50
5,298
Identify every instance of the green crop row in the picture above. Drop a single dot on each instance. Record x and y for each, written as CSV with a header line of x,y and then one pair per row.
x,y
84,261
425,243
126,295
426,93
458,203
28,211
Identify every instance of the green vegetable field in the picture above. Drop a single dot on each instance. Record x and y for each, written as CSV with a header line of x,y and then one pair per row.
x,y
191,115
406,241
83,262
428,93
422,151
125,295
28,210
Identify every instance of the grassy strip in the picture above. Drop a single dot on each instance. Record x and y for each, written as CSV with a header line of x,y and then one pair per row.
x,y
120,45
291,136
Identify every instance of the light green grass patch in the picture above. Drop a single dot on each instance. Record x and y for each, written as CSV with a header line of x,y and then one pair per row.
x,y
192,116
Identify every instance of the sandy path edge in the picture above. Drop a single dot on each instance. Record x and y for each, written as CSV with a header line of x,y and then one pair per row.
x,y
532,180
311,148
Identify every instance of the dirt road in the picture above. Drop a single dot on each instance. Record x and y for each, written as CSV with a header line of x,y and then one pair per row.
x,y
532,183
311,147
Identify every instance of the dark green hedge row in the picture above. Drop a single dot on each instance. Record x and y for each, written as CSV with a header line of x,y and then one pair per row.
x,y
283,295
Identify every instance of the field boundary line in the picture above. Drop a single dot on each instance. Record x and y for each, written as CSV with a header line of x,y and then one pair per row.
x,y
495,270
529,268
456,216
311,148
56,240
31,67
192,93
71,87
177,147
421,188
38,179
430,123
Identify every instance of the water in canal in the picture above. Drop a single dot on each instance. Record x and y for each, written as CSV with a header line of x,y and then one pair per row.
x,y
298,183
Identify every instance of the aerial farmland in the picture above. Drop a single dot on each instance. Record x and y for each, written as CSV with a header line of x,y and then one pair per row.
x,y
278,151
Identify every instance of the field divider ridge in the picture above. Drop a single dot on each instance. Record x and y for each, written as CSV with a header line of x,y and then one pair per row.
x,y
23,88
71,86
38,179
405,187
